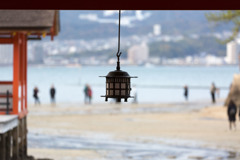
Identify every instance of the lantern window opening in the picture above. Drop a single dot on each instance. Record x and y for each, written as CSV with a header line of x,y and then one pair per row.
x,y
120,88
117,85
113,87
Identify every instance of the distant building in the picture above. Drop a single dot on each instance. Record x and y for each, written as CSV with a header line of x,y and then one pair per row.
x,y
232,55
37,54
72,50
138,54
156,29
213,60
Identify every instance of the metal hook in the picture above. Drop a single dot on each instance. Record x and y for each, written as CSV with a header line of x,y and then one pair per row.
x,y
118,54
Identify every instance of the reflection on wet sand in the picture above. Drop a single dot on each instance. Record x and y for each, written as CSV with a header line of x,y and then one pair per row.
x,y
140,132
137,150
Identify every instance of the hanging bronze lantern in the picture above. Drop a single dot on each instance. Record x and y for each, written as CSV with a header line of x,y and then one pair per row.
x,y
118,82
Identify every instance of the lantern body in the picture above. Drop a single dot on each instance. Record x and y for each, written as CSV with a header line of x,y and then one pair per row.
x,y
118,85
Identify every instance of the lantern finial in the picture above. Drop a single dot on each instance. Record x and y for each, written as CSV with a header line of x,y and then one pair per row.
x,y
118,62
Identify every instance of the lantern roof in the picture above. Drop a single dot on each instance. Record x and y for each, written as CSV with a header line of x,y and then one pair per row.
x,y
118,73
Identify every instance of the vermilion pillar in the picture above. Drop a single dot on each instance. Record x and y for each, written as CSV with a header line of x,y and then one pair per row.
x,y
25,69
21,75
24,72
16,69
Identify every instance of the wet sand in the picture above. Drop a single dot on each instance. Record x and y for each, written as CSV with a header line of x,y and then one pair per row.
x,y
194,125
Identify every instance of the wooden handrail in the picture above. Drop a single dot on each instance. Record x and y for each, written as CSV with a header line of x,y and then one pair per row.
x,y
4,96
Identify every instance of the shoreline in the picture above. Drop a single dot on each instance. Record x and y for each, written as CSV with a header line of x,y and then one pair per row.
x,y
202,101
78,65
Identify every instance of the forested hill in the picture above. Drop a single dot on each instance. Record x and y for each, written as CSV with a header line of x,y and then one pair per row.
x,y
84,24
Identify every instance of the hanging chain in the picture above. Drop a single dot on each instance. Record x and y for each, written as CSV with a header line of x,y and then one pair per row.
x,y
118,52
119,23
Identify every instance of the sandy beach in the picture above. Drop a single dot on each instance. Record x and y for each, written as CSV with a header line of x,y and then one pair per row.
x,y
103,131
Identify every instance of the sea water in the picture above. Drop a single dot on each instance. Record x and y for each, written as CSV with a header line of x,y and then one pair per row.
x,y
155,84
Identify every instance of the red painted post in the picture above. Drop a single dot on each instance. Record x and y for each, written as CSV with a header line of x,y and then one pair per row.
x,y
25,69
21,70
15,72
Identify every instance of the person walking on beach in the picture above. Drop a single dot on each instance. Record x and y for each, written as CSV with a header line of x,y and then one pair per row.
x,y
89,94
35,95
85,94
232,111
52,94
213,90
186,92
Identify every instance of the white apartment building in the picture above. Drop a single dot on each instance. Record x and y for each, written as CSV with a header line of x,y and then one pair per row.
x,y
232,55
138,54
156,29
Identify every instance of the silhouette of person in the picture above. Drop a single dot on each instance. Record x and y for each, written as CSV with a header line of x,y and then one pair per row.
x,y
213,90
185,92
35,95
89,95
52,94
86,94
232,111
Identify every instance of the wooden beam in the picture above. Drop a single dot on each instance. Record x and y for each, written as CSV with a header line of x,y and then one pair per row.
x,y
8,144
6,82
6,40
3,146
15,143
25,136
52,34
21,137
4,96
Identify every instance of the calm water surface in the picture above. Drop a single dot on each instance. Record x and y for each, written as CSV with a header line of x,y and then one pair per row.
x,y
161,84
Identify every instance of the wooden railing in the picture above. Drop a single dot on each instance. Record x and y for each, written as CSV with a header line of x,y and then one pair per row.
x,y
6,95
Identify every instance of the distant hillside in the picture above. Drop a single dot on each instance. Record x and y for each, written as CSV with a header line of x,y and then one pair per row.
x,y
187,47
85,24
